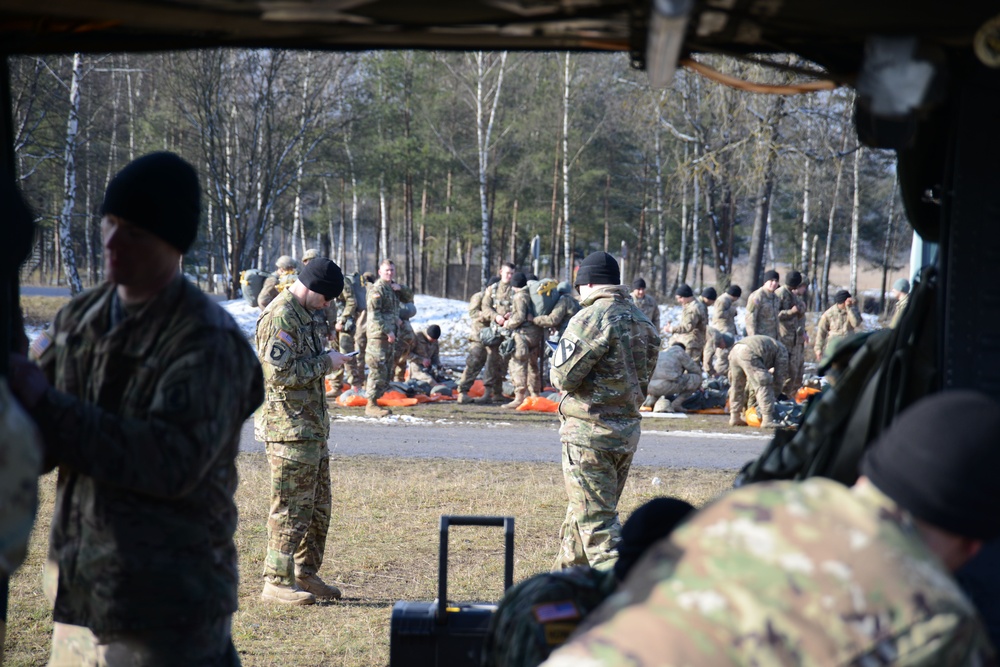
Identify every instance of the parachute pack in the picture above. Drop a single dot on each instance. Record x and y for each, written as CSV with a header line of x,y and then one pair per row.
x,y
251,282
544,295
357,283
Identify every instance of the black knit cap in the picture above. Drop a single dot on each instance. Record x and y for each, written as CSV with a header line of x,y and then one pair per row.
x,y
649,524
939,459
841,296
710,293
519,279
160,193
598,268
684,290
793,279
323,276
639,283
434,331
771,275
734,291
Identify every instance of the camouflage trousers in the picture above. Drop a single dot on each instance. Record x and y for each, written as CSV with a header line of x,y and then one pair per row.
x,y
591,531
351,370
405,340
420,374
796,365
208,644
475,360
524,373
380,358
300,510
496,368
747,374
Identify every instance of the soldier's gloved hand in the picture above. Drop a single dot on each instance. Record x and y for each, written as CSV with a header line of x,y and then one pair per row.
x,y
27,380
337,358
427,363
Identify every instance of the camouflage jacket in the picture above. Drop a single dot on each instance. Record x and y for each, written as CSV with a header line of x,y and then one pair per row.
x,y
787,573
537,615
498,301
897,312
649,308
566,307
835,323
348,306
521,320
724,314
762,314
791,325
424,347
691,329
382,310
673,362
477,317
290,345
603,364
767,353
275,284
143,419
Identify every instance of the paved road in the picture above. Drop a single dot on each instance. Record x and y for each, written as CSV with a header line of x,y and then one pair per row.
x,y
37,290
658,446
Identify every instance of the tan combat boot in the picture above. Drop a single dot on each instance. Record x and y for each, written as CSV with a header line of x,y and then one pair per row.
x,y
486,398
374,410
311,583
513,405
286,594
464,398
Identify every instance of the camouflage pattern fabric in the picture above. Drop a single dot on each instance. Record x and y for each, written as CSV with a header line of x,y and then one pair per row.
x,y
144,420
898,310
524,373
603,365
424,347
300,511
475,358
537,615
208,643
675,373
691,329
724,314
406,338
383,319
786,573
748,372
498,301
649,308
291,346
274,285
836,322
557,319
714,359
762,314
792,331
361,343
21,457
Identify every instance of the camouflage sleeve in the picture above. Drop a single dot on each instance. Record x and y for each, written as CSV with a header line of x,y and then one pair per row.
x,y
476,306
193,416
582,345
854,317
750,318
381,315
555,316
781,375
267,292
645,353
688,321
350,304
435,354
278,341
822,331
689,364
786,305
656,316
489,313
520,312
405,294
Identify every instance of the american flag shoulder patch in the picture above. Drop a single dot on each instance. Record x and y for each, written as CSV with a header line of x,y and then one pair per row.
x,y
39,345
285,337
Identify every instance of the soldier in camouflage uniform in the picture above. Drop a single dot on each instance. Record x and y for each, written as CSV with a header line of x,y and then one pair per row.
x,y
602,365
901,292
294,425
749,372
361,333
690,331
527,344
383,322
815,573
676,374
708,297
645,302
476,357
762,308
277,281
143,386
566,307
345,328
405,336
841,319
425,355
723,321
498,306
792,327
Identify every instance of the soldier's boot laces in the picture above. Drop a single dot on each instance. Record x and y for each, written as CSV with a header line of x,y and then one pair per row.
x,y
374,410
311,583
286,594
514,404
464,398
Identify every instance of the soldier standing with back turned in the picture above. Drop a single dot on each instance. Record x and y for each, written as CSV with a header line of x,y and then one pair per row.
x,y
792,327
475,358
383,324
602,365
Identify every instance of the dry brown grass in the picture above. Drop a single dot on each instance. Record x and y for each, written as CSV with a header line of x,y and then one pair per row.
x,y
382,547
41,310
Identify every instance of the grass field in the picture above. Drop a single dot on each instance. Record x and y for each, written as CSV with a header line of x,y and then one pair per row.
x,y
382,547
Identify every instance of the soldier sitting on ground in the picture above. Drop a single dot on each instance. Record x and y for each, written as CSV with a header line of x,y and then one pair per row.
x,y
425,355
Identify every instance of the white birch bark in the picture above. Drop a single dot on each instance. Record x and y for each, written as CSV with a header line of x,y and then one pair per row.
x,y
484,128
567,244
69,180
855,222
804,258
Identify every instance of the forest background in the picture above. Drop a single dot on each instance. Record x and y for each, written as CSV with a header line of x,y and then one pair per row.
x,y
452,163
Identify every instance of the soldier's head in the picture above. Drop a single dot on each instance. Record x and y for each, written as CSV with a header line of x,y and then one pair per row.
x,y
842,298
648,524
285,264
709,295
771,280
312,253
518,280
734,291
639,288
938,462
434,332
149,219
900,287
724,341
597,269
507,272
684,294
793,279
387,270
320,282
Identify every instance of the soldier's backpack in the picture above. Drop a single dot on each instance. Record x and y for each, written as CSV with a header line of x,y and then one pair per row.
x,y
357,283
251,282
545,295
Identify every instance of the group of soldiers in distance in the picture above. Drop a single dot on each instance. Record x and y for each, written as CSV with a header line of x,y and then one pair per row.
x,y
768,362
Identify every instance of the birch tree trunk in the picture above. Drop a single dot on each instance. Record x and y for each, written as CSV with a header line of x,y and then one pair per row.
x,y
682,272
422,241
825,285
447,236
567,246
660,272
804,256
484,128
383,209
355,239
887,248
855,223
69,180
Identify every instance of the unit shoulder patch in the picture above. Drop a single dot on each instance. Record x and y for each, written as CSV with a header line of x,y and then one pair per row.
x,y
564,352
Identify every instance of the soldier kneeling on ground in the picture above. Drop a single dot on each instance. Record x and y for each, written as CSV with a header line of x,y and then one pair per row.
x,y
676,374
